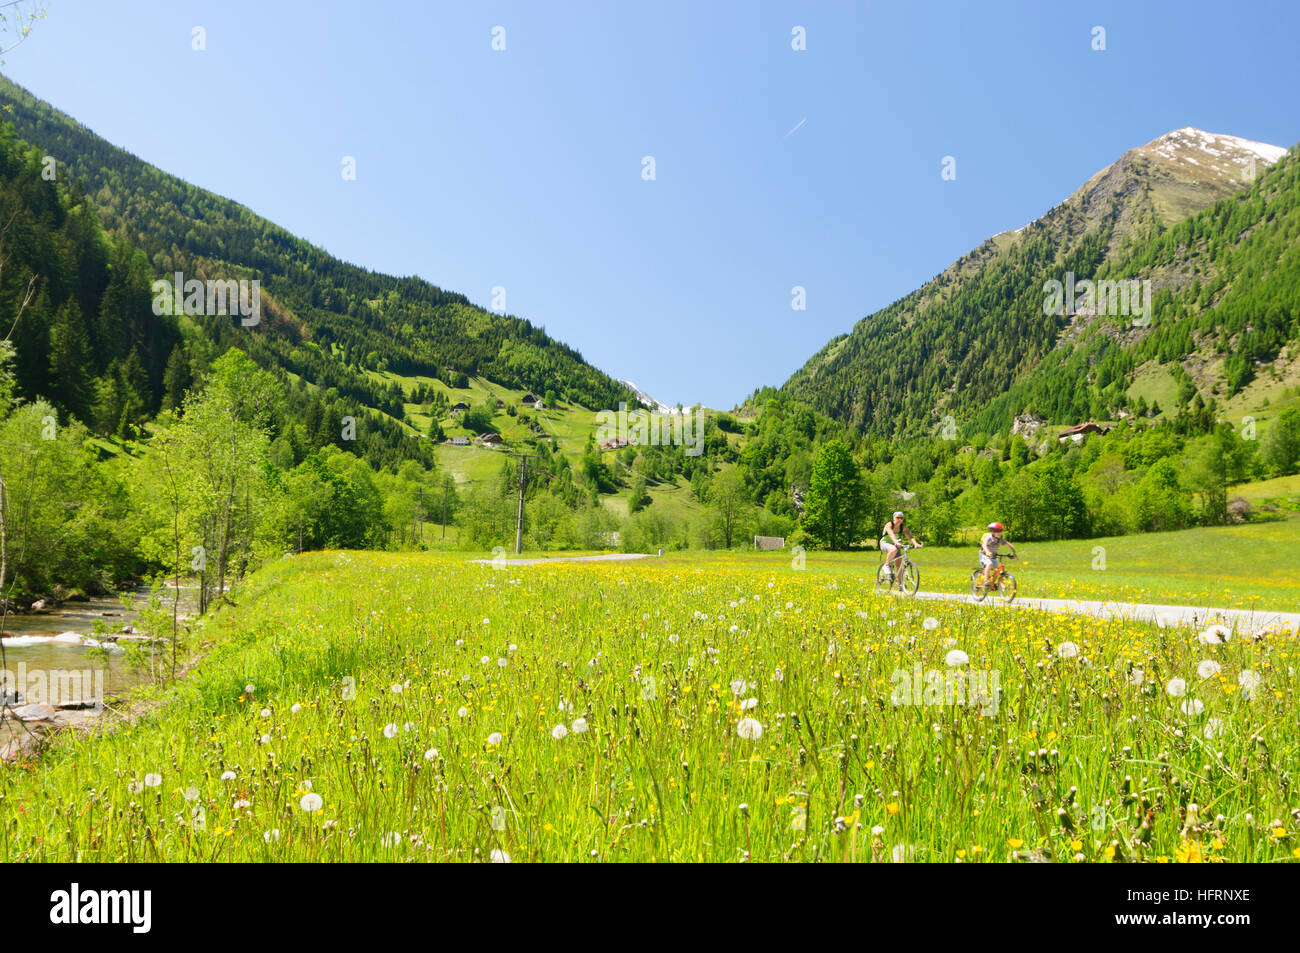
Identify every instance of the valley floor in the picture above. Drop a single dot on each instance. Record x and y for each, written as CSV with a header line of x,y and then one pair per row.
x,y
381,707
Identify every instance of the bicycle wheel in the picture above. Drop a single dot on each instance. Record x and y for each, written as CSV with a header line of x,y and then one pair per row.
x,y
976,586
884,578
1007,587
911,580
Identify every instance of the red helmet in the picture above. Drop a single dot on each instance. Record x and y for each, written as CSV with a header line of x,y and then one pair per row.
x,y
997,526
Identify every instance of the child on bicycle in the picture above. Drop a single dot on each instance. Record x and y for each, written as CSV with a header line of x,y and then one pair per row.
x,y
990,543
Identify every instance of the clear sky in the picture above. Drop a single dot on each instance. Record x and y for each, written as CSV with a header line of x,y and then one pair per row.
x,y
523,167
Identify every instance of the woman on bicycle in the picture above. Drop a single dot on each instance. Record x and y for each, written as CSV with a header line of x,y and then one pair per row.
x,y
890,544
990,543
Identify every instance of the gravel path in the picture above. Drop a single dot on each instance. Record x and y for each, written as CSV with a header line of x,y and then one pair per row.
x,y
1242,621
607,557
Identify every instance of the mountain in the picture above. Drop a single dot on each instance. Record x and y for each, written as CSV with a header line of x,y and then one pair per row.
x,y
340,328
1195,214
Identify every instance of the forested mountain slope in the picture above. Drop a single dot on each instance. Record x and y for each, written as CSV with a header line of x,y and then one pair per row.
x,y
325,320
977,343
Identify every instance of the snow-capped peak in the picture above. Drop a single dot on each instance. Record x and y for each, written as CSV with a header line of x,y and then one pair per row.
x,y
1182,145
647,400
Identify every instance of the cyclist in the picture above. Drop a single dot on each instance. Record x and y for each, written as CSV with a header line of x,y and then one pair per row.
x,y
890,544
990,543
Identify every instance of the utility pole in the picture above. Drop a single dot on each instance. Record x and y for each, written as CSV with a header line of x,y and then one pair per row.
x,y
415,519
519,519
446,488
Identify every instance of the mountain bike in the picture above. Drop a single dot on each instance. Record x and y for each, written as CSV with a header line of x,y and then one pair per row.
x,y
904,577
1000,581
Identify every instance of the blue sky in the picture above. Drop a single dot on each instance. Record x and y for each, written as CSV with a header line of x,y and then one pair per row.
x,y
522,168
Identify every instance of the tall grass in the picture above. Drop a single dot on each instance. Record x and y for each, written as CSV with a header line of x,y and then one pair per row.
x,y
419,698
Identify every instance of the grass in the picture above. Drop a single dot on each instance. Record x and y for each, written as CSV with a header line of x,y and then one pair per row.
x,y
420,698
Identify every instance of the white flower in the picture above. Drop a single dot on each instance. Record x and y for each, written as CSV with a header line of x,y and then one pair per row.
x,y
748,703
306,785
579,725
558,732
295,708
135,787
956,658
1136,677
397,689
431,754
227,775
484,660
265,739
408,726
494,739
1176,687
931,623
1214,727
311,802
462,712
152,780
1067,650
1216,634
390,730
1193,706
241,803
737,685
1248,681
901,854
485,620
191,793
266,713
512,648
749,729
1208,668
272,835
499,856
501,663
248,689
391,839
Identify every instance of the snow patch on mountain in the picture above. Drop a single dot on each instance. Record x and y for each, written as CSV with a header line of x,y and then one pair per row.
x,y
647,400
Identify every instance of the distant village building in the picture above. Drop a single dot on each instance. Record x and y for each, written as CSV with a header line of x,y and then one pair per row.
x,y
769,542
459,407
459,441
1078,432
529,399
491,440
613,443
540,405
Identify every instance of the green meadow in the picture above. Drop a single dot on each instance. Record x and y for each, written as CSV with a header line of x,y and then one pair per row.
x,y
379,706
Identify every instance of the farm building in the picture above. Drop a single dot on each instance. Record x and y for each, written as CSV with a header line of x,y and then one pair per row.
x,y
1078,432
491,440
